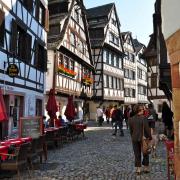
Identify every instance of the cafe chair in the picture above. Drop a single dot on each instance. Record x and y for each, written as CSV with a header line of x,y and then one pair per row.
x,y
49,139
40,148
19,160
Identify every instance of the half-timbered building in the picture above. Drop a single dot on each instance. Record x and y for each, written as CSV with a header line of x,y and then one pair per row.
x,y
70,66
107,54
141,74
159,72
130,65
23,32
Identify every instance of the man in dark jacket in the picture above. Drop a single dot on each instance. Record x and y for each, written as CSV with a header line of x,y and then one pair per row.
x,y
118,119
138,126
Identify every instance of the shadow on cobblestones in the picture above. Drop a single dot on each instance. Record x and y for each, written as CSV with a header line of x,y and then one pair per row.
x,y
99,156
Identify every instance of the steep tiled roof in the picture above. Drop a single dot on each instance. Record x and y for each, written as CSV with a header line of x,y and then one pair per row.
x,y
99,11
138,46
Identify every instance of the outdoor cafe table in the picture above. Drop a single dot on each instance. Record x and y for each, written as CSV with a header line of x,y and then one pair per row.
x,y
16,141
3,150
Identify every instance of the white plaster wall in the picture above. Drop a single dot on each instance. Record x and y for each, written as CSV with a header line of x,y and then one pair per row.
x,y
170,17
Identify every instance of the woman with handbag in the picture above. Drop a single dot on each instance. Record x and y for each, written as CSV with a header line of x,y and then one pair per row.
x,y
139,127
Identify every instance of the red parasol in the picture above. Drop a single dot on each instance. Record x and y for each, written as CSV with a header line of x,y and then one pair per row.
x,y
52,107
70,109
3,114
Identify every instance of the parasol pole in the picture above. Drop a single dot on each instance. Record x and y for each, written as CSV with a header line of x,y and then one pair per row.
x,y
54,76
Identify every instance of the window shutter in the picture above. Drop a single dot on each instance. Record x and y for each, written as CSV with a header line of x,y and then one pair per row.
x,y
47,20
28,50
2,28
36,53
45,60
29,5
37,9
13,42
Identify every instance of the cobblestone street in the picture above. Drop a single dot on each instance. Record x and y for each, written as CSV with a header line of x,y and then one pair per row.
x,y
98,156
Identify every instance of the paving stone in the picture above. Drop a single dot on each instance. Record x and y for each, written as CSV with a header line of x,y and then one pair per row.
x,y
98,156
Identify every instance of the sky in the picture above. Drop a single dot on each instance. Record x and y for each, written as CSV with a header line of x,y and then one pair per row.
x,y
134,16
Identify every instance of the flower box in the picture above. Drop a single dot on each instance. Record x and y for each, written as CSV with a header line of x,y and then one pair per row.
x,y
87,80
66,71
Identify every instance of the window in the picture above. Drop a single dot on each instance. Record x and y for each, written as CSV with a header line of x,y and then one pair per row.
x,y
73,39
114,83
112,59
118,83
28,4
133,93
61,59
139,73
110,81
121,82
105,80
40,60
66,62
2,27
153,80
120,63
40,12
81,47
126,73
39,108
71,65
20,44
126,92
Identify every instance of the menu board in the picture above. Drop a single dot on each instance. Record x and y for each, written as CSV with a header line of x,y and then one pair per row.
x,y
31,126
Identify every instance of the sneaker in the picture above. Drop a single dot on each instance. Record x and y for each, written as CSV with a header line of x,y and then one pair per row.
x,y
138,170
146,169
113,134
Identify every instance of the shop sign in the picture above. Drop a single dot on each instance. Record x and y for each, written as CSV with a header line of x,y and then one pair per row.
x,y
12,70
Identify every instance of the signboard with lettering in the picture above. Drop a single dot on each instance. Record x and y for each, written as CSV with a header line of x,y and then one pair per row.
x,y
31,126
12,70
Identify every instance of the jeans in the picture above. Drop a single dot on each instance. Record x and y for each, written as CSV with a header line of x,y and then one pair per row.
x,y
137,154
120,125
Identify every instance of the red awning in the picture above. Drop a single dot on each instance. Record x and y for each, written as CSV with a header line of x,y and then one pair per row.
x,y
70,109
3,114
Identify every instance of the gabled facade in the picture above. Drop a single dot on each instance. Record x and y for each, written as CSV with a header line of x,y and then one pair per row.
x,y
70,66
158,64
141,72
23,27
155,95
107,54
130,63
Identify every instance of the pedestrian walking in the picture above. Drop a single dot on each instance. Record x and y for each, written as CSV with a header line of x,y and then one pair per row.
x,y
107,113
167,116
136,125
118,120
99,114
151,117
127,115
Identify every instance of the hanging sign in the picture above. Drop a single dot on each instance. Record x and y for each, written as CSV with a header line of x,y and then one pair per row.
x,y
12,70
